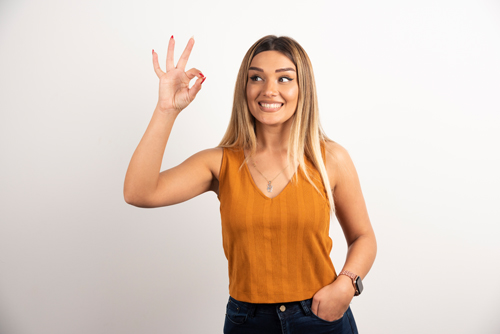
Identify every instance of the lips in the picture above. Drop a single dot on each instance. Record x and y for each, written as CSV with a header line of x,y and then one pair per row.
x,y
275,106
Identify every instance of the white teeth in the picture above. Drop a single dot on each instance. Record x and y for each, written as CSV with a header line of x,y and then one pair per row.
x,y
271,105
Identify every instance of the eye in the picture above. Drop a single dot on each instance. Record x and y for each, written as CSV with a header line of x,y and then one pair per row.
x,y
285,79
255,78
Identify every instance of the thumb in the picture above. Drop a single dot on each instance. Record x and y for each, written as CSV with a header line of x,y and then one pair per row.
x,y
314,306
193,91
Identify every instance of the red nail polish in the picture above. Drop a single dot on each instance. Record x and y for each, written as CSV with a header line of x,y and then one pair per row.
x,y
205,78
153,51
202,74
172,36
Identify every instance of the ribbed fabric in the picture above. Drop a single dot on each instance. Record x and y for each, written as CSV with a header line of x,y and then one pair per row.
x,y
278,249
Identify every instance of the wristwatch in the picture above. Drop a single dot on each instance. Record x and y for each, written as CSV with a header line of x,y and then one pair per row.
x,y
356,281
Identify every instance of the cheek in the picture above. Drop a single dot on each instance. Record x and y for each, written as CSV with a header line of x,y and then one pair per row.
x,y
292,94
250,95
251,92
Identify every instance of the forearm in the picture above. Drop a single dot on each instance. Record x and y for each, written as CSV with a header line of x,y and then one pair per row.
x,y
361,255
332,300
143,171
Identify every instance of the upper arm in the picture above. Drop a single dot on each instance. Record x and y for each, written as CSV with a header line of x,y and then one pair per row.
x,y
196,175
350,207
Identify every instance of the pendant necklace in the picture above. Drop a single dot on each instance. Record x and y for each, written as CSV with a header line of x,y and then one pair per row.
x,y
269,185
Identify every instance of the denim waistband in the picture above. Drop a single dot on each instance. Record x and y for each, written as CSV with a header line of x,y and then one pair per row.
x,y
298,306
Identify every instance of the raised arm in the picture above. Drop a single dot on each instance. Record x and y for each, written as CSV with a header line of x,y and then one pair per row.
x,y
144,185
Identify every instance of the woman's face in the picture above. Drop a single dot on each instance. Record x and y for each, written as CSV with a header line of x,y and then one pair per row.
x,y
272,88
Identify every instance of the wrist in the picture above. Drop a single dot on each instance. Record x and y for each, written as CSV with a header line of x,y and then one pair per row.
x,y
166,111
346,284
356,281
166,108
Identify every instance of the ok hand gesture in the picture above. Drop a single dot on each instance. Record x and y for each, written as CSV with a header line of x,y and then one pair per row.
x,y
175,93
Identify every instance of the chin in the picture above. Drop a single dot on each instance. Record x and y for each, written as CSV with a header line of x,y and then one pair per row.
x,y
269,119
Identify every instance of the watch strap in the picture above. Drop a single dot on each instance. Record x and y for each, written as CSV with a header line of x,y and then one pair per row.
x,y
353,278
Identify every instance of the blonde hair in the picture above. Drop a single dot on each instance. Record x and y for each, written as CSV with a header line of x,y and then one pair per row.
x,y
306,134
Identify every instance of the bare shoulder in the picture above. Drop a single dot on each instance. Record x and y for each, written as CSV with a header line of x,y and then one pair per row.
x,y
339,164
335,153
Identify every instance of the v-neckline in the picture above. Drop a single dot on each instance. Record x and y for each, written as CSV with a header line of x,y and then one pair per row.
x,y
255,185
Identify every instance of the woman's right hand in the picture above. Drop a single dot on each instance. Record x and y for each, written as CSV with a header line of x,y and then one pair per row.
x,y
175,94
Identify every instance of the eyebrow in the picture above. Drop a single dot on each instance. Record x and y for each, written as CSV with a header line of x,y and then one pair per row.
x,y
278,70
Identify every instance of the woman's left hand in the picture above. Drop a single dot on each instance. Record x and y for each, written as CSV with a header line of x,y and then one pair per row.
x,y
331,301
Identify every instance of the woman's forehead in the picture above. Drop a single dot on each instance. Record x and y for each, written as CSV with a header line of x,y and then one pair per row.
x,y
271,60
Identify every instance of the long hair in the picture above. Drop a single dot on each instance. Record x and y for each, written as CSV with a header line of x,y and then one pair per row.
x,y
306,135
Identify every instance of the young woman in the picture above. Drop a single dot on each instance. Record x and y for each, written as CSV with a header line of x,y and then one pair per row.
x,y
278,178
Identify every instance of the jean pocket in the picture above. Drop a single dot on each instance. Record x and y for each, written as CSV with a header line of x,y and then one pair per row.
x,y
236,313
329,322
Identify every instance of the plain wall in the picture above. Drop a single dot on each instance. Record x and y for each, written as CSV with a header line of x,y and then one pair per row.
x,y
410,88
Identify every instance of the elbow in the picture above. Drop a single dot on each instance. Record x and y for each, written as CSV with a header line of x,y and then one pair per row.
x,y
137,199
128,199
131,197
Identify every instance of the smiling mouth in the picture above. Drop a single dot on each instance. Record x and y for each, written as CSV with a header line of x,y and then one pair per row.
x,y
270,106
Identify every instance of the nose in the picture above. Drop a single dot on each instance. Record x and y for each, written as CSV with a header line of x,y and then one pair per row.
x,y
271,89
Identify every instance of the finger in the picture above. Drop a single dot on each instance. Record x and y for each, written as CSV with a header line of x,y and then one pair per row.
x,y
170,54
156,66
314,306
194,72
193,91
181,64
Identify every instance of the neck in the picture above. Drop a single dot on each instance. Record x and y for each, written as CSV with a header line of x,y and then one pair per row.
x,y
273,138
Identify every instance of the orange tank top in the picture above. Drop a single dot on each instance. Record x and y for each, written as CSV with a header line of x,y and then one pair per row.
x,y
278,249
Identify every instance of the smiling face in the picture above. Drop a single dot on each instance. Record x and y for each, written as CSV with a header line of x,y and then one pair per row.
x,y
272,88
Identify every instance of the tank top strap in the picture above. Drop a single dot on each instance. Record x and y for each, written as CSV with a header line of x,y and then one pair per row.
x,y
232,159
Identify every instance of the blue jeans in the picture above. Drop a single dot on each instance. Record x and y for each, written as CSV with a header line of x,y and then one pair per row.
x,y
282,318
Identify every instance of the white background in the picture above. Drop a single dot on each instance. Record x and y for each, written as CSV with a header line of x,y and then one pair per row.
x,y
410,88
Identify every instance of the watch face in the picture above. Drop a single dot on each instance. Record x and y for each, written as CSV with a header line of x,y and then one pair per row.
x,y
359,285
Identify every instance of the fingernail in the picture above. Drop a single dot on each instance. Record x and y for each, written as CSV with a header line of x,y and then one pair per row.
x,y
202,74
172,36
205,78
153,51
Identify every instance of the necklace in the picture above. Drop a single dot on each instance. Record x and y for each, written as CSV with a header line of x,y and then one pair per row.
x,y
269,185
